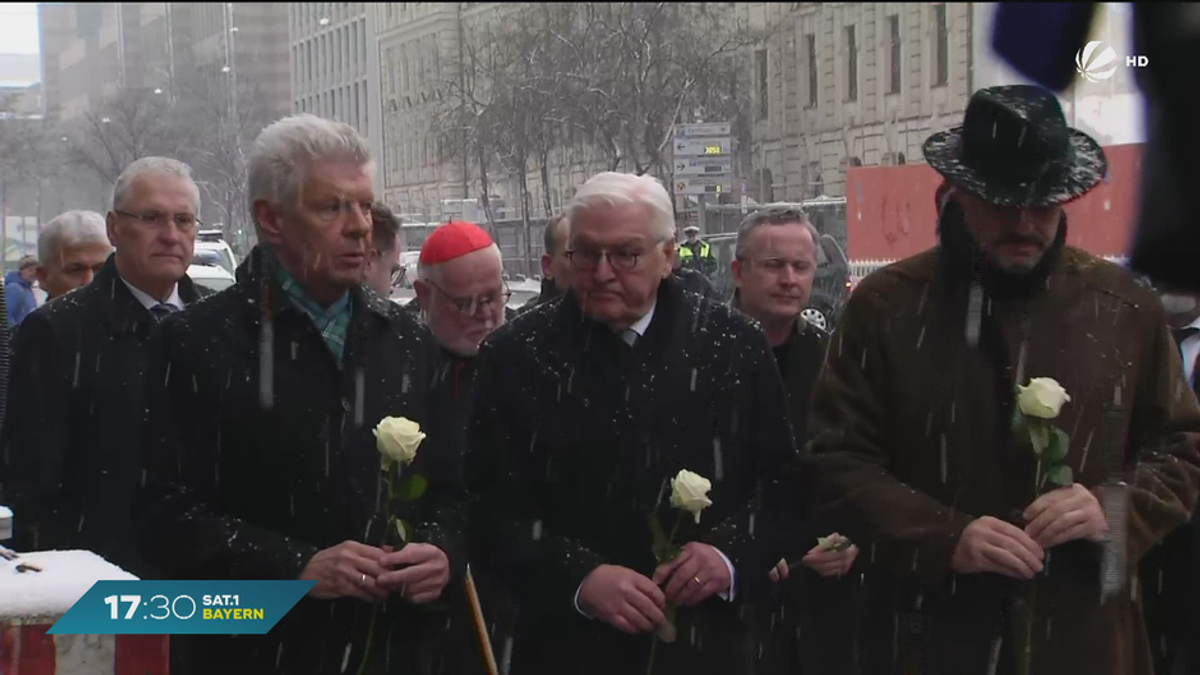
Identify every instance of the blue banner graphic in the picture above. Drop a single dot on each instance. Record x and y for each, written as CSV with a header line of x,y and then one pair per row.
x,y
181,607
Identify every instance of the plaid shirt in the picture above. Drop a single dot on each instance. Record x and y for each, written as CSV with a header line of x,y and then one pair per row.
x,y
332,322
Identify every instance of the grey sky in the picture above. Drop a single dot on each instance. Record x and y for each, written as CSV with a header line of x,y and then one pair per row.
x,y
19,28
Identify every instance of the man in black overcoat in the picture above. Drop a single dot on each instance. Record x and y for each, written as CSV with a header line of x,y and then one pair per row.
x,y
586,409
70,463
261,459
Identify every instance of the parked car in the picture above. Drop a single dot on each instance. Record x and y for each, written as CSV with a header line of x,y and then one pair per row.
x,y
218,250
211,276
831,284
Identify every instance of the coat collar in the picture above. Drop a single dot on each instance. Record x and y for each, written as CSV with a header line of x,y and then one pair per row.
x,y
260,292
668,310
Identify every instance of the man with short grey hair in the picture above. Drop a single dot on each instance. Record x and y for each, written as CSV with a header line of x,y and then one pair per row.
x,y
71,463
625,361
72,249
260,452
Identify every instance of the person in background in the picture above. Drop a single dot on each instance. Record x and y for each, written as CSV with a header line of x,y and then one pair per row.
x,y
585,410
697,254
261,461
913,443
18,291
556,269
1168,573
774,263
383,262
72,249
463,297
70,456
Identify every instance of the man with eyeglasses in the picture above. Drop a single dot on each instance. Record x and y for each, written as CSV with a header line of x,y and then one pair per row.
x,y
261,457
462,297
585,411
70,438
775,260
384,271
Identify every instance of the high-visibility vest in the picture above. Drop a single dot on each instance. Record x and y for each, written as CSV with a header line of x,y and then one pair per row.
x,y
705,250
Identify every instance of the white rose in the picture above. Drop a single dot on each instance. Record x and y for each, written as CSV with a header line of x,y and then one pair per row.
x,y
397,439
1043,398
689,491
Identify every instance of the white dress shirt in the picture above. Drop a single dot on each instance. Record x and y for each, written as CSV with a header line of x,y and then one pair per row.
x,y
148,300
1191,349
639,328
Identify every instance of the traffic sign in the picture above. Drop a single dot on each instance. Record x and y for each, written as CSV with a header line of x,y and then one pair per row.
x,y
703,186
703,130
702,147
704,166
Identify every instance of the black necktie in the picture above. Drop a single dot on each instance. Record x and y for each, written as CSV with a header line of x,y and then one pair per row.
x,y
162,310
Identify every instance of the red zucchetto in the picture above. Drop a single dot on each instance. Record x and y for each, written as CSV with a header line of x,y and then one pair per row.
x,y
452,240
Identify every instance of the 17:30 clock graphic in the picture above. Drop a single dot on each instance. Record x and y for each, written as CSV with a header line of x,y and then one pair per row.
x,y
181,607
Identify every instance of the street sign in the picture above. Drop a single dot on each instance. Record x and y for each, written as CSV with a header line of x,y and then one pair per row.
x,y
702,147
703,186
702,130
704,166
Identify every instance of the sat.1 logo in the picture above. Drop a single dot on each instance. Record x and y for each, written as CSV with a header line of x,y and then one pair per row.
x,y
1095,62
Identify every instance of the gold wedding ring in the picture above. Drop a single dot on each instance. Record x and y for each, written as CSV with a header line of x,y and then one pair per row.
x,y
697,580
363,582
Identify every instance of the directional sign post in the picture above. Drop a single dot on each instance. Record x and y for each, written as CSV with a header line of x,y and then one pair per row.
x,y
703,161
702,147
695,185
704,166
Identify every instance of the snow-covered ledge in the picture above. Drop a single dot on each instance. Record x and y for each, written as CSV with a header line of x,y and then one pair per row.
x,y
31,601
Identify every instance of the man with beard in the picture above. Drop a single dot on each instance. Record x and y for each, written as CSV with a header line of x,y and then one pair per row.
x,y
261,457
914,448
586,410
1170,589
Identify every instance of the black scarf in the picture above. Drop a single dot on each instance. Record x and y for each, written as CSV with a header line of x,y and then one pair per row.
x,y
966,267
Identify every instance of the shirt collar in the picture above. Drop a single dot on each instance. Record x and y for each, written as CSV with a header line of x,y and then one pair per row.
x,y
643,323
149,302
1194,324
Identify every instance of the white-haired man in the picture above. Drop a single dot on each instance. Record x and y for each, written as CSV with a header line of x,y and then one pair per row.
x,y
624,362
71,250
72,466
261,459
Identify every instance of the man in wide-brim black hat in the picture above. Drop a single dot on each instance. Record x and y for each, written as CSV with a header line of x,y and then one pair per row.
x,y
915,451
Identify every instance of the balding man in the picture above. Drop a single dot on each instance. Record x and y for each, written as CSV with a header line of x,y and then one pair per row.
x,y
70,451
72,249
585,410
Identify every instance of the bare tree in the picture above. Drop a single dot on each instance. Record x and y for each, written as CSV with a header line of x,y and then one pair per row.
x,y
128,125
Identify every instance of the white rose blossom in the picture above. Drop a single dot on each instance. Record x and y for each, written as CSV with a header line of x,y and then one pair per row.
x,y
689,492
397,439
1043,398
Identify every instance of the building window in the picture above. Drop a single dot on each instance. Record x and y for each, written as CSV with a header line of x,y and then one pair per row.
x,y
851,65
813,92
760,58
894,78
942,74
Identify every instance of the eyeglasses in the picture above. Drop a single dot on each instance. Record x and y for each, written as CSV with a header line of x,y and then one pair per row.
x,y
184,221
469,306
587,260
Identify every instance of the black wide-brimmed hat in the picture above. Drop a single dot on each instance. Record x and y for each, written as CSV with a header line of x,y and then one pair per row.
x,y
1014,148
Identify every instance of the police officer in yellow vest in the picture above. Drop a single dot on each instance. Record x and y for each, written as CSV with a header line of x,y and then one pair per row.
x,y
696,254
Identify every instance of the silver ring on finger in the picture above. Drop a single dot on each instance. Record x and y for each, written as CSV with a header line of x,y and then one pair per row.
x,y
363,580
